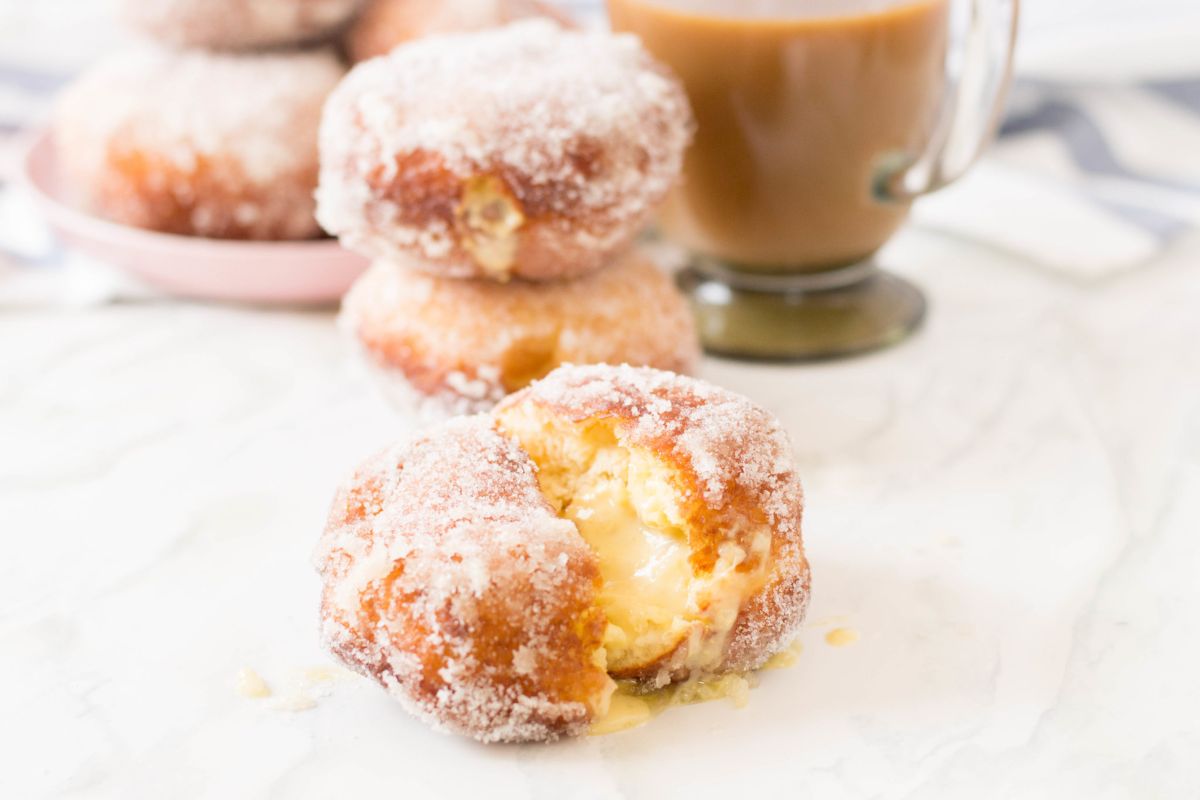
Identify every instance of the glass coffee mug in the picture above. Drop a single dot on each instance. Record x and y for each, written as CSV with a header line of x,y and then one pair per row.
x,y
819,122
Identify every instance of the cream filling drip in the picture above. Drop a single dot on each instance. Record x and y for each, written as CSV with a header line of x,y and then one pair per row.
x,y
489,218
630,708
645,572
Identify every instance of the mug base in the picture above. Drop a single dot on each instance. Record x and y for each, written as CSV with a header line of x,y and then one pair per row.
x,y
808,317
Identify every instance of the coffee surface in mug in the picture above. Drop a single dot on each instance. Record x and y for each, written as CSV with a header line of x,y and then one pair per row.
x,y
797,104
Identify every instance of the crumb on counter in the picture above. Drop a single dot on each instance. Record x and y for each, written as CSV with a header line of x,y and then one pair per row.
x,y
841,637
250,684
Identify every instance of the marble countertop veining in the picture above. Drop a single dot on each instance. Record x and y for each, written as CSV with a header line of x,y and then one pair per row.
x,y
1006,509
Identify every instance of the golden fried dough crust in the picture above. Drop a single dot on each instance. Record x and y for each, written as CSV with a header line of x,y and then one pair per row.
x,y
450,581
446,346
196,143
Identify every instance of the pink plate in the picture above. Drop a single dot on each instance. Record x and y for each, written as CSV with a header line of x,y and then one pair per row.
x,y
211,269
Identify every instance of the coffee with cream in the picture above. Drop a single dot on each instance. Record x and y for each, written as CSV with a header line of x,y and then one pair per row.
x,y
798,103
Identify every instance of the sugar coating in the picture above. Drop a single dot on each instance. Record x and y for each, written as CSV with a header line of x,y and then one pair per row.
x,y
585,130
237,24
231,139
438,544
444,346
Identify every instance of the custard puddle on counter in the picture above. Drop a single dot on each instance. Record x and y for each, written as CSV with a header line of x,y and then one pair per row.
x,y
630,708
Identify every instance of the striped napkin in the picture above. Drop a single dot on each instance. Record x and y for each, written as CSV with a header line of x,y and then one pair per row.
x,y
1087,180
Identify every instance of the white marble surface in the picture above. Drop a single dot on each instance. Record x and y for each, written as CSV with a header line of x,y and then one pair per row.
x,y
1006,509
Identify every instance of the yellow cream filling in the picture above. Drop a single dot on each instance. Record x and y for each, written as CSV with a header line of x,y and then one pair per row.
x,y
625,711
663,617
630,708
645,570
489,217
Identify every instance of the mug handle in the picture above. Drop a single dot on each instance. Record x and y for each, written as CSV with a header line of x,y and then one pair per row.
x,y
972,111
